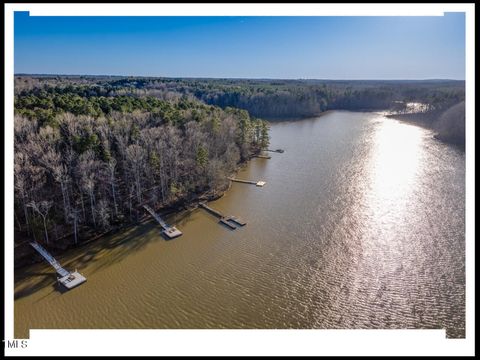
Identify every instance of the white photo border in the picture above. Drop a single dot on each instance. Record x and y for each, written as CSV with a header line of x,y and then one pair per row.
x,y
242,342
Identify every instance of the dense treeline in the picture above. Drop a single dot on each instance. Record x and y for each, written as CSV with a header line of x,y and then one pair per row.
x,y
85,163
268,99
46,105
43,97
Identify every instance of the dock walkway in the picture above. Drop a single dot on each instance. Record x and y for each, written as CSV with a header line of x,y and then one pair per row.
x,y
162,223
169,231
257,183
51,260
67,278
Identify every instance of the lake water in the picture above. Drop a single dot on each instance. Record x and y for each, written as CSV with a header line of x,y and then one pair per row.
x,y
360,225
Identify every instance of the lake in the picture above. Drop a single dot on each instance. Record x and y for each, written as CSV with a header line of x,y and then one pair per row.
x,y
361,225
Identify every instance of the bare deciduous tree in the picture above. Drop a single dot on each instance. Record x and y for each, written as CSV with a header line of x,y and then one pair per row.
x,y
42,208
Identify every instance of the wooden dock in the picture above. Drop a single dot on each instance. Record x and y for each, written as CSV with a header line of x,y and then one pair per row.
x,y
169,231
225,222
277,150
72,279
237,221
66,278
229,221
257,183
213,211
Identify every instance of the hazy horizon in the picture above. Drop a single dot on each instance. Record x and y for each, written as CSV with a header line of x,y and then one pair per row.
x,y
228,78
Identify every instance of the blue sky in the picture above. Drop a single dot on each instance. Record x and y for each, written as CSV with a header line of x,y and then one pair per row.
x,y
243,47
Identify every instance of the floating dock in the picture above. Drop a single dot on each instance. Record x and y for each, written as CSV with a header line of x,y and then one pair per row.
x,y
225,222
66,278
72,280
230,221
257,183
277,150
169,231
237,221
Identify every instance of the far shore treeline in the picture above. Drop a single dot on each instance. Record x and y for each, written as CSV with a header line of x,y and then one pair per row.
x,y
89,150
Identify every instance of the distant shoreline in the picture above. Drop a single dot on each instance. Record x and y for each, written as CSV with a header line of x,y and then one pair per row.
x,y
239,78
421,119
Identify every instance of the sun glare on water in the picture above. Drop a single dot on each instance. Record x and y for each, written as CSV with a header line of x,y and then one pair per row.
x,y
392,175
395,159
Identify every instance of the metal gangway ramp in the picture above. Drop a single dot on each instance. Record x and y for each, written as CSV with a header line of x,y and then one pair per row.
x,y
58,268
169,231
162,223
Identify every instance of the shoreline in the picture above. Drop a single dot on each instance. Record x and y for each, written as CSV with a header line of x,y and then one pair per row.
x,y
429,124
30,257
297,118
411,118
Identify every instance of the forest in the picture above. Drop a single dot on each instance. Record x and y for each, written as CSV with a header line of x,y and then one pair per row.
x,y
89,150
267,99
85,164
263,98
